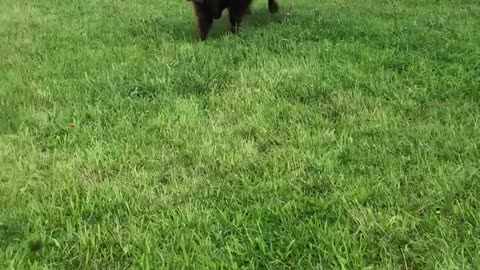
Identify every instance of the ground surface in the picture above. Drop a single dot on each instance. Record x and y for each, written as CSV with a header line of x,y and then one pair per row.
x,y
344,135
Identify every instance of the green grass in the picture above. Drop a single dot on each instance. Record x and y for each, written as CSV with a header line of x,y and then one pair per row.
x,y
335,135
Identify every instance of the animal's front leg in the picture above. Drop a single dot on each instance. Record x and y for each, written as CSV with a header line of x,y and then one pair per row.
x,y
204,20
272,6
235,15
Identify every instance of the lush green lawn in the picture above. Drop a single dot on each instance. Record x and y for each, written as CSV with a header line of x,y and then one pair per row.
x,y
335,135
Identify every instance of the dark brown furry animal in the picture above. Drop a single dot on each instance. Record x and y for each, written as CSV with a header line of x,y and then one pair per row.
x,y
208,10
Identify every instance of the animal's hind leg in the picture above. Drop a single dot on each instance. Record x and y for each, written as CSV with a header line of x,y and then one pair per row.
x,y
204,20
273,6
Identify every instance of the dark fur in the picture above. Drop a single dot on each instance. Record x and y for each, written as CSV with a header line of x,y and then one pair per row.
x,y
208,10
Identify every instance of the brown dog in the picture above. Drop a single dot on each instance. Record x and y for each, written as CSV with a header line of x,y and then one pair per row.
x,y
208,10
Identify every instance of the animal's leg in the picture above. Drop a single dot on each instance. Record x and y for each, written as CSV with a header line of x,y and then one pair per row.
x,y
235,15
273,6
204,20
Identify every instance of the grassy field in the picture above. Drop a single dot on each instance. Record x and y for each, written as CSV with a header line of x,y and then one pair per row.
x,y
334,135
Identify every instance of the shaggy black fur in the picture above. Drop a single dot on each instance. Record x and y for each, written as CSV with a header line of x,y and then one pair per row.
x,y
208,10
